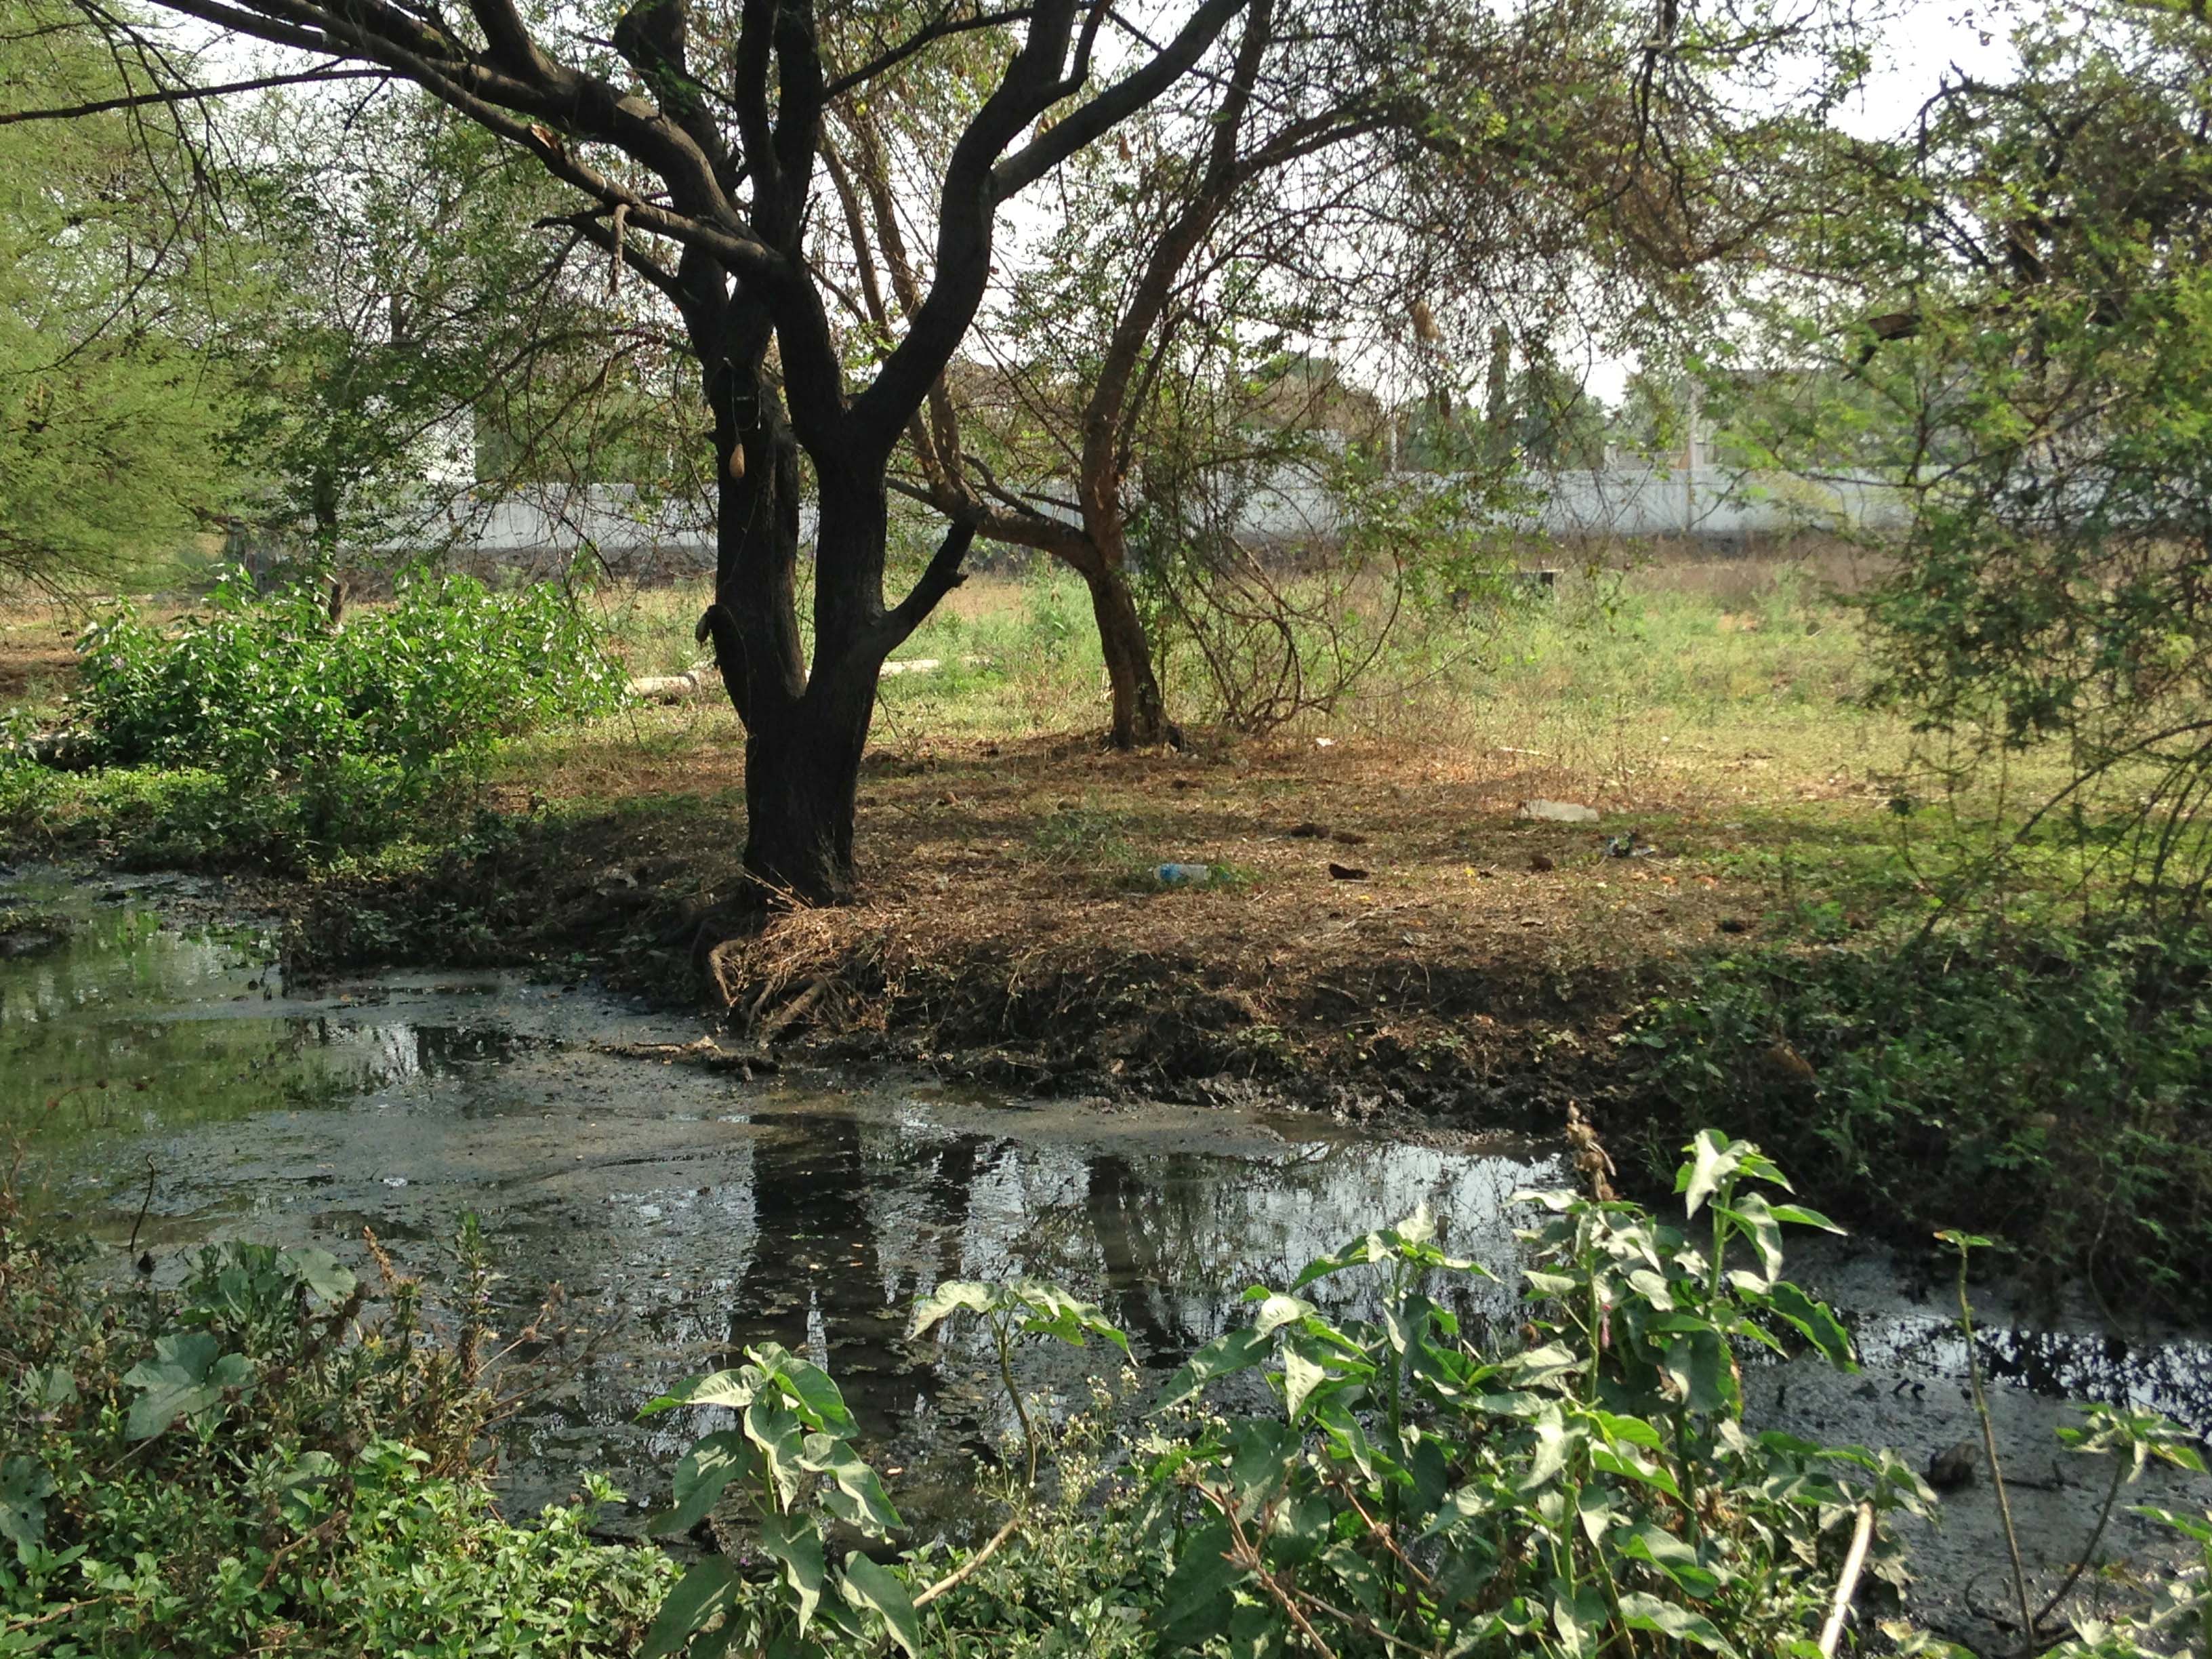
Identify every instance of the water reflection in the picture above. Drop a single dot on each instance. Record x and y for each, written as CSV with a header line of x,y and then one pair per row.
x,y
688,1216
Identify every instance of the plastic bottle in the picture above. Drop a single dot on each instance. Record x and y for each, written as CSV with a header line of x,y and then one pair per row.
x,y
1184,875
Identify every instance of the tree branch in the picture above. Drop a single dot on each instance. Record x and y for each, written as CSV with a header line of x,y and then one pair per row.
x,y
186,94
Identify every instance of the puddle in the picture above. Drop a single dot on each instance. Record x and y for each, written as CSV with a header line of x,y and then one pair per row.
x,y
687,1214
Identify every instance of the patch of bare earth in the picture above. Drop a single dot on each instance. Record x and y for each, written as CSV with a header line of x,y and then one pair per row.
x,y
1379,925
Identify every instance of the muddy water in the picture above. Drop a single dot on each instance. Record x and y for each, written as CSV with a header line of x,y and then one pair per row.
x,y
688,1212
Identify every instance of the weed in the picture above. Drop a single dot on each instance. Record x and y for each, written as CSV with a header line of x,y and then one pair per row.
x,y
2039,1085
243,1467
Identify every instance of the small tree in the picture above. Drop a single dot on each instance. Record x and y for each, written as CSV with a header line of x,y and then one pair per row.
x,y
2015,331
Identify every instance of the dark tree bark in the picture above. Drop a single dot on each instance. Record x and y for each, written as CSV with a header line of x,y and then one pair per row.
x,y
1140,713
731,135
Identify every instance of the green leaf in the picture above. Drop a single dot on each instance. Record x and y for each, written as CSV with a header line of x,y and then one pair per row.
x,y
708,1588
1641,1612
1278,1311
732,1389
25,1485
1578,1615
1627,1430
1302,1374
1698,1366
796,1542
879,1590
1359,1252
1232,1351
1711,1164
813,1395
954,1296
185,1376
858,1498
775,1428
1750,1213
703,1472
1815,1322
1800,1216
1197,1600
1053,1312
319,1270
1670,1555
1628,1466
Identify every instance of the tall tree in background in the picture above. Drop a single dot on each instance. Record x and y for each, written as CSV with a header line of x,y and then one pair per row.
x,y
381,280
107,415
1222,290
692,140
2014,328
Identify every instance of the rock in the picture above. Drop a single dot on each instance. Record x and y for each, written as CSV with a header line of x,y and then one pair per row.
x,y
1953,1467
1556,812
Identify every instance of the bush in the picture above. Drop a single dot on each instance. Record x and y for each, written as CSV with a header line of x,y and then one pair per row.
x,y
241,1468
2045,1087
265,686
1590,1488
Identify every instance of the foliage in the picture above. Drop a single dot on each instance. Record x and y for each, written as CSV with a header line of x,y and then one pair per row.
x,y
2011,326
1419,1494
241,1467
107,457
1411,1493
356,724
2041,1085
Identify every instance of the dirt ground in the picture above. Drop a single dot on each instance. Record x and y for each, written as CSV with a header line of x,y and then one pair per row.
x,y
37,658
1382,931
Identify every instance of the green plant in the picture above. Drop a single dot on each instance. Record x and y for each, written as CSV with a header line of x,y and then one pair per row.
x,y
2030,1084
1590,1490
2132,1439
1594,1490
790,1456
265,685
249,1464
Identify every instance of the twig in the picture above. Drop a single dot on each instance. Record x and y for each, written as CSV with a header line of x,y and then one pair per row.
x,y
1847,1586
1990,1446
322,1534
960,1573
1243,1554
2090,1549
145,1205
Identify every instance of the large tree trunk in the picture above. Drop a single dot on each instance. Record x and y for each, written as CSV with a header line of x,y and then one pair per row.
x,y
1140,718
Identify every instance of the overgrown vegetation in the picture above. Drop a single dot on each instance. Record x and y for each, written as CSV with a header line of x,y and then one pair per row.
x,y
256,1463
1413,1487
2043,1086
259,728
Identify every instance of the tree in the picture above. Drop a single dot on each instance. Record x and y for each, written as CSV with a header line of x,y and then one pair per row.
x,y
381,281
1370,183
106,416
693,139
2015,331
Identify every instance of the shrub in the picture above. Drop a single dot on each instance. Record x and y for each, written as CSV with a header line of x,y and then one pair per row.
x,y
241,1468
2044,1086
265,687
1590,1488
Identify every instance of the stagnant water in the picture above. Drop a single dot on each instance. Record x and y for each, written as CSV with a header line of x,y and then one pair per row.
x,y
689,1212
